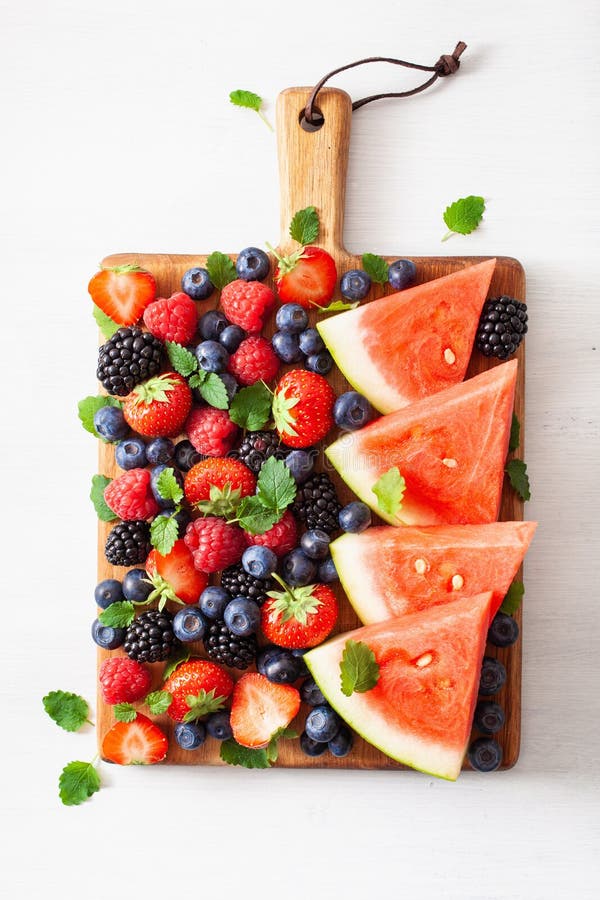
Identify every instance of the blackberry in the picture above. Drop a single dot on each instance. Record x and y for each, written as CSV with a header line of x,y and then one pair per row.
x,y
128,358
502,326
239,583
150,637
257,447
224,647
317,504
128,543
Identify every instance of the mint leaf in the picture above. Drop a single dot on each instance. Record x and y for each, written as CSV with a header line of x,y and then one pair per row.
x,y
235,755
513,598
516,470
304,227
197,379
182,656
337,306
181,359
213,391
103,511
77,782
249,100
220,269
389,490
282,734
251,407
164,531
515,434
375,267
359,671
168,487
276,487
255,518
202,704
158,702
463,216
106,325
69,711
124,712
87,409
118,615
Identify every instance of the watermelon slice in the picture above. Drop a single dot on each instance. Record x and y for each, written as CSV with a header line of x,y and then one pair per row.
x,y
406,346
390,572
421,709
450,448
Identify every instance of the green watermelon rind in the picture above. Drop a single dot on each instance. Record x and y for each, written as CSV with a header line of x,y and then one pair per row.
x,y
346,564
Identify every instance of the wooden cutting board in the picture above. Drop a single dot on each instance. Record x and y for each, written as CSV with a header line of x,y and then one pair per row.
x,y
312,170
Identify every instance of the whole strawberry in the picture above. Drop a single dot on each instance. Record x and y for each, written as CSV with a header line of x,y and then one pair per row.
x,y
299,617
198,688
122,292
247,304
254,360
211,431
159,407
218,473
281,538
214,543
130,496
123,680
306,277
303,408
172,319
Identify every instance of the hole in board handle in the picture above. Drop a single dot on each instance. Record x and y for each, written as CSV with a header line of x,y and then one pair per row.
x,y
316,124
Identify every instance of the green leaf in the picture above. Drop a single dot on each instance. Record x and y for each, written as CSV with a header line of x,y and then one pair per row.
x,y
282,734
389,490
359,671
118,615
202,704
103,511
124,712
106,325
180,657
276,487
375,267
246,99
214,392
304,227
69,711
463,216
87,409
77,782
181,359
337,306
513,598
164,531
197,379
235,755
251,407
516,470
158,702
220,269
168,487
515,434
255,518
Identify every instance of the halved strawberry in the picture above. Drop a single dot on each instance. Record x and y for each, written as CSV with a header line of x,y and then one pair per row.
x,y
260,709
307,277
137,743
177,569
123,292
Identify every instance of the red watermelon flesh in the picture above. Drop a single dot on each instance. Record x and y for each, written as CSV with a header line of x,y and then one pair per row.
x,y
408,345
390,572
450,448
421,709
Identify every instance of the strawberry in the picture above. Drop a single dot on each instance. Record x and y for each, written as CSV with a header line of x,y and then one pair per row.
x,y
299,617
178,570
303,408
123,292
172,319
206,682
159,407
247,304
218,473
261,709
150,564
139,743
307,276
130,496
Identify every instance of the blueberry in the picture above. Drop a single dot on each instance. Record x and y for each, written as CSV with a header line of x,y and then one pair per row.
x,y
110,423
186,456
218,725
298,569
160,450
504,631
278,665
155,474
259,561
231,385
489,717
197,284
311,342
291,317
242,616
485,755
355,284
106,637
212,356
310,747
131,453
181,516
107,592
311,693
137,586
493,676
300,463
322,723
252,264
189,624
211,324
351,411
327,571
402,273
341,744
231,337
315,543
355,517
321,363
299,653
213,601
190,735
286,346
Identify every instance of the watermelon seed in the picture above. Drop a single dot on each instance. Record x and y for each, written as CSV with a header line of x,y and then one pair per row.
x,y
449,356
423,660
449,462
457,582
420,566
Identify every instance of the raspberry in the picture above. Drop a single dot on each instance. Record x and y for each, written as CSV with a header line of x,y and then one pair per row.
x,y
173,319
281,538
211,431
214,543
130,496
246,303
123,680
254,360
218,472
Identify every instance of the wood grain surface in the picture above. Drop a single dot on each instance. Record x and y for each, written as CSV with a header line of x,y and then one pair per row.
x,y
313,172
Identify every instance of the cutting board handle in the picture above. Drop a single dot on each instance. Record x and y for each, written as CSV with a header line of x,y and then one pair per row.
x,y
313,164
